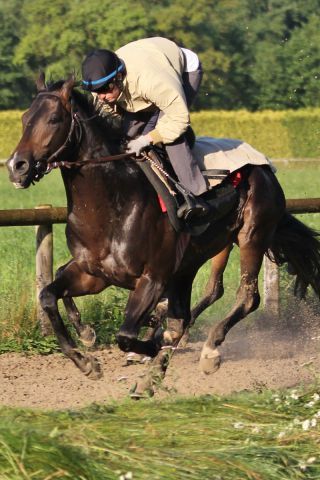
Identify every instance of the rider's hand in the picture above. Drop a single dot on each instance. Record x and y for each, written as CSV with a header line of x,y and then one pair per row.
x,y
138,144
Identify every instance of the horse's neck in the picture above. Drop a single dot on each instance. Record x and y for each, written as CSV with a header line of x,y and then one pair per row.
x,y
110,185
94,141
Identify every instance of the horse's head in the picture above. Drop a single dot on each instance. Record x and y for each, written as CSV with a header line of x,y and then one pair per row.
x,y
45,130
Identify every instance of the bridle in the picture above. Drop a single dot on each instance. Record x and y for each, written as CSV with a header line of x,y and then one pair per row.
x,y
74,135
75,129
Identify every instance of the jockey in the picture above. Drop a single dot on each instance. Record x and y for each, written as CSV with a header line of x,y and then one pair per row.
x,y
151,83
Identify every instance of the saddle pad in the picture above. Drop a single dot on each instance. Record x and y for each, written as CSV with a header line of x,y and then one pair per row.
x,y
226,154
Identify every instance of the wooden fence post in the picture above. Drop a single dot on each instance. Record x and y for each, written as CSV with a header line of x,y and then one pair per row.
x,y
44,269
271,285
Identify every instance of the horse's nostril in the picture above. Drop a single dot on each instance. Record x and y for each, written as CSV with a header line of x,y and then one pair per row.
x,y
21,166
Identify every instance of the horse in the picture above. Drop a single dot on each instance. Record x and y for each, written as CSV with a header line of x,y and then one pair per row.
x,y
118,235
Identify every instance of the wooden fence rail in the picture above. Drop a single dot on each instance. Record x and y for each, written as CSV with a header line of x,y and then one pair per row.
x,y
33,216
44,216
50,215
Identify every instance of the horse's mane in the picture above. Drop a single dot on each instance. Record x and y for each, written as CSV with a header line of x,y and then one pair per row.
x,y
84,100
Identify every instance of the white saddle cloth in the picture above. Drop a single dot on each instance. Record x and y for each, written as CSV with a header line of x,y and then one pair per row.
x,y
226,154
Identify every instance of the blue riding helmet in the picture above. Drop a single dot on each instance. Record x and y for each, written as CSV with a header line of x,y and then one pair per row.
x,y
99,68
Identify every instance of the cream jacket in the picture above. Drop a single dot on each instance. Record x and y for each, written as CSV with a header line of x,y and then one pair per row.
x,y
154,68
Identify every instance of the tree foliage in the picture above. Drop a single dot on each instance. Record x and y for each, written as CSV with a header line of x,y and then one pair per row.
x,y
256,55
12,79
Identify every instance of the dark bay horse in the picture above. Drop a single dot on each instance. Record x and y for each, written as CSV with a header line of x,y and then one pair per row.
x,y
118,235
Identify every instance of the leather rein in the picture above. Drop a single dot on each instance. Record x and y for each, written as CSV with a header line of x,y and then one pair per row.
x,y
76,130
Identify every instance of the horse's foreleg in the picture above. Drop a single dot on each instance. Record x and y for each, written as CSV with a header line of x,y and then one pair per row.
x,y
86,334
142,300
247,301
154,327
179,295
213,290
71,282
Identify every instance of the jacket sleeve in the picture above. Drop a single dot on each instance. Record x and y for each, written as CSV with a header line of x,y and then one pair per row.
x,y
165,90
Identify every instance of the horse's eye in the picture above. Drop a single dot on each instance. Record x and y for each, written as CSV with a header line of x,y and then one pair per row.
x,y
55,119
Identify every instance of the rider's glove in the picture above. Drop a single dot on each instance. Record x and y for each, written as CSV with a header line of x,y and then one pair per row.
x,y
138,144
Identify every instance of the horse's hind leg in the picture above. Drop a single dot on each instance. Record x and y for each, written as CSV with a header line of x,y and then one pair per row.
x,y
262,212
214,288
86,334
247,301
71,282
213,291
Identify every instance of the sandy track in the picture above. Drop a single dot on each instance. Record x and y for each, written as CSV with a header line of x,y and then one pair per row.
x,y
252,359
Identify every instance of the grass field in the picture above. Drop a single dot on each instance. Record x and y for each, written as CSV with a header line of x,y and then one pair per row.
x,y
17,269
269,436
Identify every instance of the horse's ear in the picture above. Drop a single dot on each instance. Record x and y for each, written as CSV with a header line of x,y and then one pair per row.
x,y
41,81
67,89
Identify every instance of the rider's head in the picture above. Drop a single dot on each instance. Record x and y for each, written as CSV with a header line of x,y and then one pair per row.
x,y
102,72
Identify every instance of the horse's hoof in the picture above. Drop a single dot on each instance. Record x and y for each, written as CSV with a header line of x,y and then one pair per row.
x,y
93,368
161,309
145,359
88,336
171,337
210,360
167,337
134,358
142,389
184,339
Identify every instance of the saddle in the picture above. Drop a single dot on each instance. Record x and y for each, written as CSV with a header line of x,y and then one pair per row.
x,y
173,195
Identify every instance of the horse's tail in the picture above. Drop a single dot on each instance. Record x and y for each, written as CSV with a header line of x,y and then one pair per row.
x,y
298,245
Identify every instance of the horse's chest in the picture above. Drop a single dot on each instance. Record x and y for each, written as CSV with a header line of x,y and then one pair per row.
x,y
114,263
109,247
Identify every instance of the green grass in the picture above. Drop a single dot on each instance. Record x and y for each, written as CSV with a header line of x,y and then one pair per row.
x,y
245,436
104,311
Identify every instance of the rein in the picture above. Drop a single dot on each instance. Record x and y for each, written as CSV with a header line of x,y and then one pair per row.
x,y
108,158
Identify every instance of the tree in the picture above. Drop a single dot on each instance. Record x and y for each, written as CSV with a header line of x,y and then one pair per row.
x,y
195,25
255,55
278,34
58,34
303,65
13,85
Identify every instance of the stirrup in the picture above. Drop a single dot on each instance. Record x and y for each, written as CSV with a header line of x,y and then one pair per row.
x,y
193,207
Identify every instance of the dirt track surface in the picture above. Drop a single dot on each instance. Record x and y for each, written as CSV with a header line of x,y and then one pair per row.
x,y
252,359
